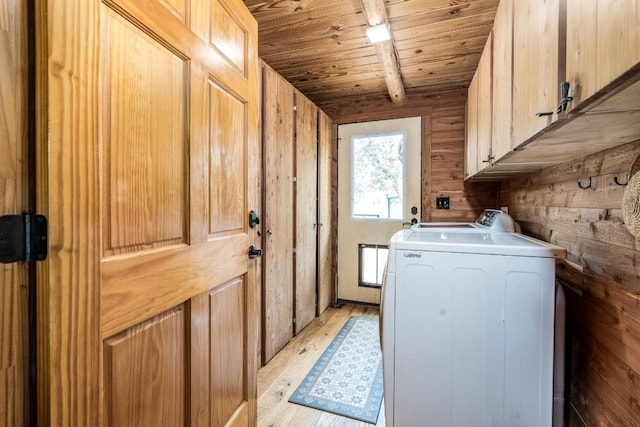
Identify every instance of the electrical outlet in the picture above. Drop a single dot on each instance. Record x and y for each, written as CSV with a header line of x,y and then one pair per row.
x,y
442,203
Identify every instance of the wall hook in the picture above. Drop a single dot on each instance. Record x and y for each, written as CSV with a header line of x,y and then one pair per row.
x,y
615,179
587,186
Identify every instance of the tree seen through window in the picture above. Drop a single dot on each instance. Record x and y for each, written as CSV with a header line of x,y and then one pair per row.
x,y
378,176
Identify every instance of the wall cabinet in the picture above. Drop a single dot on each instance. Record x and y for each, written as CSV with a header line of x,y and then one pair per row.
x,y
277,224
502,77
535,65
327,166
306,211
601,41
471,128
293,128
478,156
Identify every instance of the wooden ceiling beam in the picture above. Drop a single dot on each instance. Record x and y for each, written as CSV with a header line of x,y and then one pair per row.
x,y
376,14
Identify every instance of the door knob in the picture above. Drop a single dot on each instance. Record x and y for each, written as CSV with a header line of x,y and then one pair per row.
x,y
254,252
254,220
269,232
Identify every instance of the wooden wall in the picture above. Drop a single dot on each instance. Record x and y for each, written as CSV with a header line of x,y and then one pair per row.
x,y
443,119
603,271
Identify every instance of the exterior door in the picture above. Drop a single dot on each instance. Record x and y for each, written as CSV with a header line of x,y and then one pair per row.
x,y
146,136
378,190
13,200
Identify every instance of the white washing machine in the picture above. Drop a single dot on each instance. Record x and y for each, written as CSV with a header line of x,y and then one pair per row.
x,y
467,317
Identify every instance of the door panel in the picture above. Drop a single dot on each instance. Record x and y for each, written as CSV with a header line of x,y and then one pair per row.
x,y
228,35
145,373
143,158
278,128
13,200
146,142
228,387
227,162
306,196
326,204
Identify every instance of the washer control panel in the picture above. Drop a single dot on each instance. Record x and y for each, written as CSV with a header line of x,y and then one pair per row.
x,y
496,220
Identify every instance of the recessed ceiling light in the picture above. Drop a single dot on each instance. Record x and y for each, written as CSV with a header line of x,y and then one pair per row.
x,y
379,33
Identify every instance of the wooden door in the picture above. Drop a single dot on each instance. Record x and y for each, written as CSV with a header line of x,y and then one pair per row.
x,y
471,129
501,78
278,155
603,41
535,66
484,156
306,211
326,205
13,200
147,128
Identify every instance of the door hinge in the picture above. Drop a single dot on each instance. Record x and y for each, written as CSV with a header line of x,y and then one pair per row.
x,y
23,238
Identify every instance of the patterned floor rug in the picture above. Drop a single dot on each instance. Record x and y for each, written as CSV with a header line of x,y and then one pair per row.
x,y
347,379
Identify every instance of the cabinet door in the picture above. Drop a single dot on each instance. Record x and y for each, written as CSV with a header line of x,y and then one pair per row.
x,y
484,156
278,133
535,65
478,142
326,203
471,143
306,205
502,78
603,41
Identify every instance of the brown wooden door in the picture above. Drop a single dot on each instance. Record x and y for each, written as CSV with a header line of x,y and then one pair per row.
x,y
147,132
278,153
483,72
306,211
326,205
471,129
535,66
13,200
501,80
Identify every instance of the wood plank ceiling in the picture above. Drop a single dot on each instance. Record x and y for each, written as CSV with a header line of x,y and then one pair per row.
x,y
321,47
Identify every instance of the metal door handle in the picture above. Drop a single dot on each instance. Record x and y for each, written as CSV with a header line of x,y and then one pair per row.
x,y
254,253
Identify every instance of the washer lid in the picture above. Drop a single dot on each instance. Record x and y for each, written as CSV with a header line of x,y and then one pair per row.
x,y
512,244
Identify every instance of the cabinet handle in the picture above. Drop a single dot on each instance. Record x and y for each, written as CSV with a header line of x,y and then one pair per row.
x,y
269,232
564,97
564,100
489,158
546,113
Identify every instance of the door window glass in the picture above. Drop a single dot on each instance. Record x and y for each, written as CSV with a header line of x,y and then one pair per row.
x,y
377,185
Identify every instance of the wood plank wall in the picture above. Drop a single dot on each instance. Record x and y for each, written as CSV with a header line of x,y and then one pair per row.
x,y
603,324
443,119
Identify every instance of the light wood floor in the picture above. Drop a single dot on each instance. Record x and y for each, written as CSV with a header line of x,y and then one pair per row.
x,y
282,375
